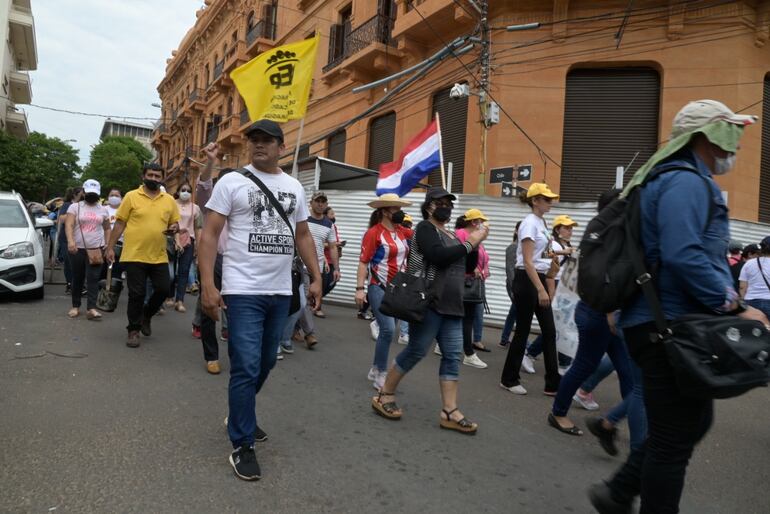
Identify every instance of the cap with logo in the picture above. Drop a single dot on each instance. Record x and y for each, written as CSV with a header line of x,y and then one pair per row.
x,y
269,127
475,214
541,189
92,186
701,112
319,194
564,221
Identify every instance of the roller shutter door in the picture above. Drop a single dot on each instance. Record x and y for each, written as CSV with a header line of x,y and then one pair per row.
x,y
764,170
382,133
453,115
609,116
336,146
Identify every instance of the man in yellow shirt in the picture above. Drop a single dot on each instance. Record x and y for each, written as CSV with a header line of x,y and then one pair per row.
x,y
147,215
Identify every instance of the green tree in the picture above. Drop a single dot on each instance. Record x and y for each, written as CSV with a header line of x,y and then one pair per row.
x,y
39,167
117,162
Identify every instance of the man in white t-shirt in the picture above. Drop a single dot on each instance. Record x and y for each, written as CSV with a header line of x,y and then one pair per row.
x,y
256,276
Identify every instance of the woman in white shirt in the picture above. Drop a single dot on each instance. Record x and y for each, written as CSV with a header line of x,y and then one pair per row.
x,y
754,279
190,223
533,260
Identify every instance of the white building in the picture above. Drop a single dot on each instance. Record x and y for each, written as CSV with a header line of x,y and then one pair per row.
x,y
19,55
139,131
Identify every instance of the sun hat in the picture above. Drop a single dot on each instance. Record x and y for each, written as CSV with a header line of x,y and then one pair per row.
x,y
388,200
696,114
541,189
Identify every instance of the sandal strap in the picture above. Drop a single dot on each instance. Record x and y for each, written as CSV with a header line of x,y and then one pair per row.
x,y
449,413
389,407
465,423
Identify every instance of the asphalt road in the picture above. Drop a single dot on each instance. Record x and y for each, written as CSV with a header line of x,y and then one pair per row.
x,y
122,430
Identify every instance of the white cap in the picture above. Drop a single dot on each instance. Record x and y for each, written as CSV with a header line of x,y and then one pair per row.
x,y
92,186
696,114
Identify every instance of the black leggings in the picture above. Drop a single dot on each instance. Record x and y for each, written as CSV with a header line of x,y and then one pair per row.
x,y
84,273
525,298
468,319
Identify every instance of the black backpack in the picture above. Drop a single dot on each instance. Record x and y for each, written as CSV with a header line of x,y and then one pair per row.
x,y
611,242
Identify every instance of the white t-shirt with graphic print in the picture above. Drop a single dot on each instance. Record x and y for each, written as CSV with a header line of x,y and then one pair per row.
x,y
259,251
534,228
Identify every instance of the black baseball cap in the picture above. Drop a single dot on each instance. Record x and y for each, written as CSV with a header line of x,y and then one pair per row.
x,y
435,193
765,244
269,127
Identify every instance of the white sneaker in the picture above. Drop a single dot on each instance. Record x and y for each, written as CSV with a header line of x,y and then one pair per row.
x,y
474,361
379,382
517,389
372,376
279,357
527,365
437,350
375,329
586,401
403,339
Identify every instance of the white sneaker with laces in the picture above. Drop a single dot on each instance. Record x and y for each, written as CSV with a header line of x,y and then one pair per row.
x,y
403,340
474,361
372,376
375,329
517,389
437,350
527,365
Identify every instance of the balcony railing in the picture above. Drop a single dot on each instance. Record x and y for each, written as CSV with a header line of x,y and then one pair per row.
x,y
374,30
193,96
218,68
212,134
262,29
245,117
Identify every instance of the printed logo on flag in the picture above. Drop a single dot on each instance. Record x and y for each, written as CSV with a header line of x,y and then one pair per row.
x,y
283,75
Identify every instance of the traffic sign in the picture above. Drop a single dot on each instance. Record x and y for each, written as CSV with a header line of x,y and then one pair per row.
x,y
507,190
524,173
500,175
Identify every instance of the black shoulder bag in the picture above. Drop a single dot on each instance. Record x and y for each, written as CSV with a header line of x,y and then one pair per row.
x,y
296,276
713,356
407,296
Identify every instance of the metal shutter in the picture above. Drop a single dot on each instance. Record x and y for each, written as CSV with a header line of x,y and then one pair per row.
x,y
764,169
453,115
336,146
382,132
609,115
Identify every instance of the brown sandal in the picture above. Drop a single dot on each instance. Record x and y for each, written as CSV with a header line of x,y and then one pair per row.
x,y
464,425
387,410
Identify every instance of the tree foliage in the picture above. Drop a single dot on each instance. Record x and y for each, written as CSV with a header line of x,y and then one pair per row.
x,y
116,162
39,167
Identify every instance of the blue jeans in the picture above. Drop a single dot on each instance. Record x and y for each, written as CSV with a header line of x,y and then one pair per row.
x,y
184,261
632,407
595,339
602,372
510,321
387,328
478,323
763,305
403,328
255,324
449,333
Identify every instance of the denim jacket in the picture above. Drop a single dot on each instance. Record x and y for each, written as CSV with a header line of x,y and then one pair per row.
x,y
685,243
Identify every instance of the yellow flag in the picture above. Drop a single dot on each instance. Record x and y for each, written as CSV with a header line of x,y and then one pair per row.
x,y
276,84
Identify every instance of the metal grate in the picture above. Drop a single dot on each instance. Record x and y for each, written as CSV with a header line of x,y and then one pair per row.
x,y
764,169
453,115
382,133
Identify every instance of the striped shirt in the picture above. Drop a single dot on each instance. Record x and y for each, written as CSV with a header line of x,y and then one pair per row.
x,y
385,252
323,232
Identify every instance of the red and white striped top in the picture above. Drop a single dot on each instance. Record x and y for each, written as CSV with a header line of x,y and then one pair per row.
x,y
385,252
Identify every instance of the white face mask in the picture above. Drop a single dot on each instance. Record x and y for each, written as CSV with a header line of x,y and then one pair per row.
x,y
114,201
722,165
185,196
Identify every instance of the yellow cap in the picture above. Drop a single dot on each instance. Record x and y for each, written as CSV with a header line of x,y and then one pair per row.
x,y
475,214
564,221
408,218
541,189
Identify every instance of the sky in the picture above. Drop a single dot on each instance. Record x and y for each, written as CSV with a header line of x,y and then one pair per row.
x,y
101,56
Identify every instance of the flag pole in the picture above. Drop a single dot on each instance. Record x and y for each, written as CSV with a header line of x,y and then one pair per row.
x,y
295,165
441,152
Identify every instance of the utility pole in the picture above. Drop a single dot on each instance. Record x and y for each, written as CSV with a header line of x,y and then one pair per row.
x,y
483,95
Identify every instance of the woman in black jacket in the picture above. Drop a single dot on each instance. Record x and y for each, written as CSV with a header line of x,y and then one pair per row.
x,y
443,259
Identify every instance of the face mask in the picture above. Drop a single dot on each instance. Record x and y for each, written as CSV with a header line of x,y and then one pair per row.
x,y
442,214
152,185
92,197
114,201
397,217
333,220
185,196
722,165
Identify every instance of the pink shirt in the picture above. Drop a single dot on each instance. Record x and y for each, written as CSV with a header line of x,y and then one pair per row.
x,y
88,224
483,262
189,218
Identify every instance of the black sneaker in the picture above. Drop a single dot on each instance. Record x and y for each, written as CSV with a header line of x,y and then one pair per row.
x,y
601,498
244,463
146,327
260,435
606,437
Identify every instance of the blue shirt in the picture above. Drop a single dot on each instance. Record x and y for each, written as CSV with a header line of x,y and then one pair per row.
x,y
686,240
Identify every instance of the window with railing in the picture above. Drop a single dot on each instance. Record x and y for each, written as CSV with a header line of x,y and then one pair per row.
x,y
344,42
218,69
265,27
245,117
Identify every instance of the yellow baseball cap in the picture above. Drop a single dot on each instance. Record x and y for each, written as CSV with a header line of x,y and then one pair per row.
x,y
408,218
541,189
564,221
475,214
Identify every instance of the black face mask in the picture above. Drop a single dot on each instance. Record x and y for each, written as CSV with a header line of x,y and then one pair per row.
x,y
442,214
333,220
397,217
152,185
92,198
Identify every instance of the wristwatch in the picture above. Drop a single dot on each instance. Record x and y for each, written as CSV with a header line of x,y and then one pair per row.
x,y
742,306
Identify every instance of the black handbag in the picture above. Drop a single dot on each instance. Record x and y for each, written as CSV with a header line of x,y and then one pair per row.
x,y
296,277
406,297
474,291
713,356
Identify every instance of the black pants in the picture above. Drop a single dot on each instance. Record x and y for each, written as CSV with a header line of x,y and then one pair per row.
x,y
675,424
468,319
208,325
82,272
525,298
137,274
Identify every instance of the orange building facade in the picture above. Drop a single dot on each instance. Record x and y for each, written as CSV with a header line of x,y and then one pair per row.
x,y
593,87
